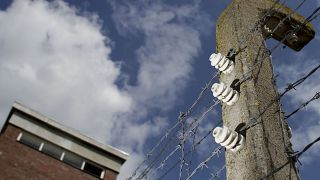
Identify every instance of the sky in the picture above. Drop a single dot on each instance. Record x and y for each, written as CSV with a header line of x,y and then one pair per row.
x,y
121,71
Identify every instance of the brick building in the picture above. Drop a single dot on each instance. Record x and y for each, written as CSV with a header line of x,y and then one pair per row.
x,y
33,146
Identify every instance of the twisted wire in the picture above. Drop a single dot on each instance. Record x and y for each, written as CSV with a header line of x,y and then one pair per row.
x,y
289,87
303,105
149,168
189,152
261,20
242,80
299,81
188,112
247,75
214,153
217,173
293,159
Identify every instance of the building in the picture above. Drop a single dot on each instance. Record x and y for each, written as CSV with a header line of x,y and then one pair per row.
x,y
33,146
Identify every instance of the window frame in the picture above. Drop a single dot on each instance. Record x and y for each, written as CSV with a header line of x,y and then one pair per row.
x,y
43,142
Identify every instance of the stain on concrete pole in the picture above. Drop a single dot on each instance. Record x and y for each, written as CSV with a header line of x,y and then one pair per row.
x,y
268,142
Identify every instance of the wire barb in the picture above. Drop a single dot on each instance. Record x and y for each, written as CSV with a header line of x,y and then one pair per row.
x,y
192,128
217,173
303,105
293,159
299,81
215,152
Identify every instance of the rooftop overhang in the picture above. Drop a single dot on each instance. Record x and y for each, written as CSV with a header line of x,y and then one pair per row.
x,y
70,139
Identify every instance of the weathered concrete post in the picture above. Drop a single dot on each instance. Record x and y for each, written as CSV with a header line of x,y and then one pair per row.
x,y
267,142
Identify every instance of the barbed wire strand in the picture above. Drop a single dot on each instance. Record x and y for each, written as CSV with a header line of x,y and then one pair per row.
x,y
189,152
289,87
217,173
296,29
245,78
287,90
248,74
313,15
257,24
303,105
287,17
299,81
254,121
162,164
149,167
153,163
188,112
293,159
252,30
214,153
194,133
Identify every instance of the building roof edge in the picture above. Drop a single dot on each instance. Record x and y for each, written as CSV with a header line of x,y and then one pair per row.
x,y
72,132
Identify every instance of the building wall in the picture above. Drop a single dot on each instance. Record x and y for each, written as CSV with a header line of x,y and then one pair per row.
x,y
18,161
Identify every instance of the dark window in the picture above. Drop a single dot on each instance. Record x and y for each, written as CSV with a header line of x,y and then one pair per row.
x,y
30,140
92,169
61,154
52,150
73,160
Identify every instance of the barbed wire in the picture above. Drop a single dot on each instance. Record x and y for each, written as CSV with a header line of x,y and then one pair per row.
x,y
268,53
260,22
198,120
254,121
296,29
182,117
188,112
214,153
293,159
288,16
217,173
190,128
299,81
190,151
252,30
251,122
256,25
313,15
248,75
303,105
293,85
289,87
162,164
148,168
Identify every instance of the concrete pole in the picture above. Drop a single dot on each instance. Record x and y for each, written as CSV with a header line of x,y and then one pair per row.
x,y
267,142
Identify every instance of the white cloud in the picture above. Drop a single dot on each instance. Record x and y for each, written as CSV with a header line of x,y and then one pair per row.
x,y
309,126
56,62
171,42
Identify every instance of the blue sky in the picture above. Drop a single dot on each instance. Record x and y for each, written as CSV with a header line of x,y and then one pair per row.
x,y
121,71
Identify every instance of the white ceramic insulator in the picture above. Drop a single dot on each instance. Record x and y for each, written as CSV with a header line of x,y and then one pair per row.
x,y
221,63
227,138
225,93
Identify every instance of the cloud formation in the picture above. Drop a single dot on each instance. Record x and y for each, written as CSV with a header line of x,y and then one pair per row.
x,y
55,59
57,62
171,43
308,126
